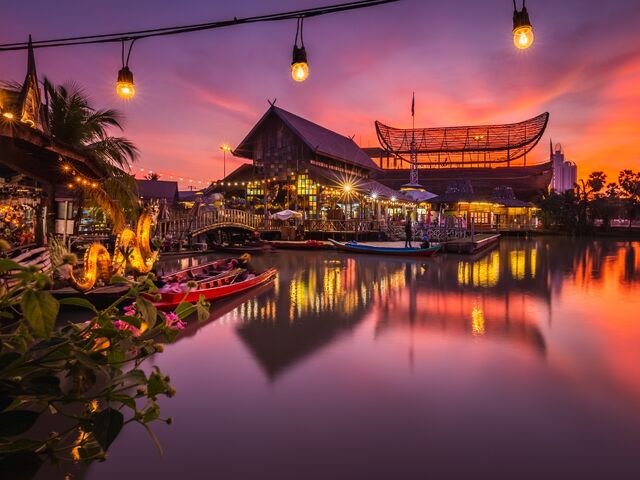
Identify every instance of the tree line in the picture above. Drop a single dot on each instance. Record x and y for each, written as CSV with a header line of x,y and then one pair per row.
x,y
593,203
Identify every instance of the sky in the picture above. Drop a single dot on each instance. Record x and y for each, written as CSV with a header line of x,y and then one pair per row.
x,y
198,91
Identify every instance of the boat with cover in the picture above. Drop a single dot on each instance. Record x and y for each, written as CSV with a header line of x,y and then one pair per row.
x,y
355,247
214,280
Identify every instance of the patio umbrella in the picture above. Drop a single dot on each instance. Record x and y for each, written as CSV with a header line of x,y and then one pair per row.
x,y
286,215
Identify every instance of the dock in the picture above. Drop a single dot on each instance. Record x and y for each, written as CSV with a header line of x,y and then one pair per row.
x,y
471,245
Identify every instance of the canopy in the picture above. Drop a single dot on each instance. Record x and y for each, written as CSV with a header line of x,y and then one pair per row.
x,y
463,146
286,215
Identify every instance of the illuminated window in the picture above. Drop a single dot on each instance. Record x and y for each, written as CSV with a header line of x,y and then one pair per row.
x,y
307,192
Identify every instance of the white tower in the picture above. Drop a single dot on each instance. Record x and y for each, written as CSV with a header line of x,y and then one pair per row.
x,y
565,173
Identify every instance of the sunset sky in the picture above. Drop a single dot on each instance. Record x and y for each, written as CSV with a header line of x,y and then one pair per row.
x,y
200,90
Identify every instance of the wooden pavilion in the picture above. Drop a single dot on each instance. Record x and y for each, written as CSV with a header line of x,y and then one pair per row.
x,y
32,160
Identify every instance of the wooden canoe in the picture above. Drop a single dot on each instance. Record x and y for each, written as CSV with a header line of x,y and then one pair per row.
x,y
229,285
354,247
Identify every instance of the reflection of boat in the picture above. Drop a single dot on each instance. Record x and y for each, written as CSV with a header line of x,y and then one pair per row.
x,y
361,248
218,285
300,245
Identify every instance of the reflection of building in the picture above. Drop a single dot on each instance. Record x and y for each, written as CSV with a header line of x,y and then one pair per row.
x,y
565,173
312,308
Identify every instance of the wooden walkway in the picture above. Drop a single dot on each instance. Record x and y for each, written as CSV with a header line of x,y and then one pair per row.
x,y
470,245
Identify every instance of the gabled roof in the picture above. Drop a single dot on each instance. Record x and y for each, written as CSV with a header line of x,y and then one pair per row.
x,y
319,139
157,189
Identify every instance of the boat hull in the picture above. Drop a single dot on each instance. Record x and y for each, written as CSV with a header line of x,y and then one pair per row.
x,y
170,300
400,252
308,245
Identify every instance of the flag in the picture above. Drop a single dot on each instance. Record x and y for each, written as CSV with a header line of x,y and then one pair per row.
x,y
413,104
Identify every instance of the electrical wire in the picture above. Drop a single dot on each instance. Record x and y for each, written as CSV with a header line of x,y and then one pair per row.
x,y
165,31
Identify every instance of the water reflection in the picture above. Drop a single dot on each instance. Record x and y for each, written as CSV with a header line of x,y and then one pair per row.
x,y
522,356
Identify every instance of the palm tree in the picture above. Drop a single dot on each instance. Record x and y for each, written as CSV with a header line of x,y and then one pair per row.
x,y
74,121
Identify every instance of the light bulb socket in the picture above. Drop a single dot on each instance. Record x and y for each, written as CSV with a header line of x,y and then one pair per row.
x,y
125,75
521,19
299,55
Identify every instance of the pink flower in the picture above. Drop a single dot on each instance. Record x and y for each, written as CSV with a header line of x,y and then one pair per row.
x,y
173,321
121,325
130,310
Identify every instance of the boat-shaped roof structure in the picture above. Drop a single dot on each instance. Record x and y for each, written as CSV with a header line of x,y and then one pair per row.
x,y
464,146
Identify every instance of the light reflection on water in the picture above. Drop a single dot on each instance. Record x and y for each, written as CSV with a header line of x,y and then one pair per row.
x,y
523,361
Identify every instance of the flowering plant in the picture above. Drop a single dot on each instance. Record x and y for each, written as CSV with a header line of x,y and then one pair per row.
x,y
79,382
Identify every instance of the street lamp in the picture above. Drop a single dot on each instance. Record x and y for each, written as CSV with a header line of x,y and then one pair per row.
x,y
522,29
225,149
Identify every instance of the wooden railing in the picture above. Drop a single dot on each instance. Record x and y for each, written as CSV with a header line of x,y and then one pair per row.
x,y
189,224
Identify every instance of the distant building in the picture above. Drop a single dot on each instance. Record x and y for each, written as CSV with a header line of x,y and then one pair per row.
x,y
158,190
565,173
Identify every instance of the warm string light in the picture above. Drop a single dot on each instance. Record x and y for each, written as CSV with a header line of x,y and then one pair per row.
x,y
522,29
125,88
299,64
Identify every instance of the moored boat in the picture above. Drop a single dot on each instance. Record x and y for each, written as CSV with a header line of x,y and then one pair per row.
x,y
300,245
218,285
253,249
377,250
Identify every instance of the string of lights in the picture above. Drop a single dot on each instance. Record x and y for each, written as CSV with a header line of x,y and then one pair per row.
x,y
157,32
125,87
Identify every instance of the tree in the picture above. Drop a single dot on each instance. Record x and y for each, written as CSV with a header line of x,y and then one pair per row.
x,y
559,211
587,191
153,176
629,185
74,121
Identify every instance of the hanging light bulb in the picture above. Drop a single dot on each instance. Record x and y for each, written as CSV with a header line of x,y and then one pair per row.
x,y
299,65
125,88
522,29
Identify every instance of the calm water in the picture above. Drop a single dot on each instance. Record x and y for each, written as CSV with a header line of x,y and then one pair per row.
x,y
524,362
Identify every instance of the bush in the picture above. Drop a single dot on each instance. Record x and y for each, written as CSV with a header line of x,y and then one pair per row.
x,y
85,373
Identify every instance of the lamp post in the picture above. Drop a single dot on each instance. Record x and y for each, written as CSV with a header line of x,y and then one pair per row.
x,y
225,149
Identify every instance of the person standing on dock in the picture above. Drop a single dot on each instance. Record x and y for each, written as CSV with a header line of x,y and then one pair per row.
x,y
408,231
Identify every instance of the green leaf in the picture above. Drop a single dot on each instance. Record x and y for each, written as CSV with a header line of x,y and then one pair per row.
x,y
20,465
148,312
184,310
41,310
16,422
107,426
7,265
18,445
132,378
116,356
151,413
44,344
124,399
48,385
118,279
156,385
7,359
79,302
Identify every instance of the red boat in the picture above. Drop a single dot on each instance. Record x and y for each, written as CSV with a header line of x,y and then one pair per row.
x,y
300,245
213,280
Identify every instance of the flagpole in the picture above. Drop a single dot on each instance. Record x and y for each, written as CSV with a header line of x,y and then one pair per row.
x,y
413,173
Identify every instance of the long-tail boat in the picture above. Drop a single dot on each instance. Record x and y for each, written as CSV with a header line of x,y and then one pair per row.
x,y
214,280
355,247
